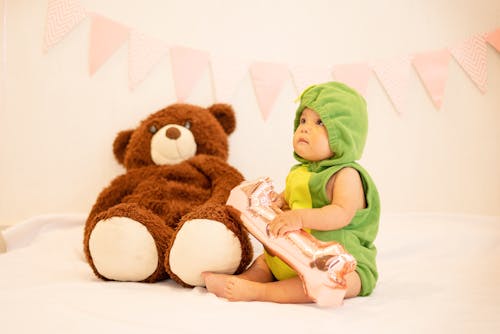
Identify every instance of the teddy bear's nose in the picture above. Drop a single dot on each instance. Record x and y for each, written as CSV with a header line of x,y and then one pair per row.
x,y
173,133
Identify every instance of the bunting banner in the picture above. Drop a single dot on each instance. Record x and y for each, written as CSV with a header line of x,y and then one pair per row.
x,y
432,68
304,76
394,76
144,53
471,55
106,36
62,17
268,79
227,73
494,39
188,65
354,75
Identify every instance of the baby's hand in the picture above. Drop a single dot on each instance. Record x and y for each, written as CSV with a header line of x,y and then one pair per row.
x,y
279,201
285,222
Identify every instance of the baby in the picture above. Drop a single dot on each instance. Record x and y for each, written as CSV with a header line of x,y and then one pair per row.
x,y
328,194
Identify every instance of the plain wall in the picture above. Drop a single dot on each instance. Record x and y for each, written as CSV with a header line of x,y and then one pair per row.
x,y
57,123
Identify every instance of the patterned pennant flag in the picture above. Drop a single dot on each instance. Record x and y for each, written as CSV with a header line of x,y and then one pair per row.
x,y
354,75
494,39
106,36
144,53
62,17
188,66
472,57
394,77
432,67
305,76
268,80
227,73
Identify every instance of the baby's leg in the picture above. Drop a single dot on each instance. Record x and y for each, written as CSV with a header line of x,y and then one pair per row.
x,y
292,290
258,271
235,288
257,283
239,287
232,287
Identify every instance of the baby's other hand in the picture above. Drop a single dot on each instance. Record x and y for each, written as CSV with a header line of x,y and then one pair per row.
x,y
278,200
285,222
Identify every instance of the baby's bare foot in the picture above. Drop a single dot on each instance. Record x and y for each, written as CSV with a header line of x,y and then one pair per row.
x,y
231,287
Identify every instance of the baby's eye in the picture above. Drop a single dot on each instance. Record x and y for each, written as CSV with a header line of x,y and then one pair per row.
x,y
319,122
302,121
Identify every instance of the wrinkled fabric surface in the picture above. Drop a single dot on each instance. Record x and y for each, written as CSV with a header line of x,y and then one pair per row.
x,y
440,282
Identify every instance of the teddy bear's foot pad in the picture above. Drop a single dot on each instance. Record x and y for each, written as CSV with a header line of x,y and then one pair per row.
x,y
204,245
122,249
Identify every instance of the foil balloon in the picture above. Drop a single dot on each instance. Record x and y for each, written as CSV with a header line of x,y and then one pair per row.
x,y
322,266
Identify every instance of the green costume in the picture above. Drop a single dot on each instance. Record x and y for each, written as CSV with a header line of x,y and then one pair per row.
x,y
343,112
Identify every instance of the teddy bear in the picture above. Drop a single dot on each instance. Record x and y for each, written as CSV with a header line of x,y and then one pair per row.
x,y
166,216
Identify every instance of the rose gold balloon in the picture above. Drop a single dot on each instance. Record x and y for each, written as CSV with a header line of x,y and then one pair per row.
x,y
322,266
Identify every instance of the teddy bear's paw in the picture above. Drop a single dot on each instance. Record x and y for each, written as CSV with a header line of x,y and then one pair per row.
x,y
122,249
204,245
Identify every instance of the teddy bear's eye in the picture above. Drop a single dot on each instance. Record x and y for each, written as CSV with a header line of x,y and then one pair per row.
x,y
153,129
187,125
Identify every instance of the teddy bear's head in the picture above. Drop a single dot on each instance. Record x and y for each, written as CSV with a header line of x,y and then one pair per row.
x,y
176,133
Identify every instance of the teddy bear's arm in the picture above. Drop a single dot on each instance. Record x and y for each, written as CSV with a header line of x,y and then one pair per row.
x,y
114,193
223,176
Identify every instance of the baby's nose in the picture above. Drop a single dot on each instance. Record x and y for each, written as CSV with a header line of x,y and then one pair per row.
x,y
173,133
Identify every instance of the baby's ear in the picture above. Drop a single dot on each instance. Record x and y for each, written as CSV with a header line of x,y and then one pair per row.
x,y
224,113
120,145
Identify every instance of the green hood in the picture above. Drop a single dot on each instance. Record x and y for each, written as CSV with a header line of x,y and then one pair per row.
x,y
343,111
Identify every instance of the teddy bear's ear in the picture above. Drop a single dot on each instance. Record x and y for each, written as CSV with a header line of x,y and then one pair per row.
x,y
225,115
120,144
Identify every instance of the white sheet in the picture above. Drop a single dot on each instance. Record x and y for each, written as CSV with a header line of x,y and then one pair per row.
x,y
438,274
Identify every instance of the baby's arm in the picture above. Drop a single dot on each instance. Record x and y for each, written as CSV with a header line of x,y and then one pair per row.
x,y
347,196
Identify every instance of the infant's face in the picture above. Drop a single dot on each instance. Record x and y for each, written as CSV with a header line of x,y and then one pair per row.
x,y
310,140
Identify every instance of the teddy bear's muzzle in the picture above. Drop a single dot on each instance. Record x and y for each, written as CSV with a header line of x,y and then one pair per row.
x,y
172,144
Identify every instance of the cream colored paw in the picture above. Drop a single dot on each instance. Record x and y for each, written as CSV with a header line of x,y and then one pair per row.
x,y
204,245
122,249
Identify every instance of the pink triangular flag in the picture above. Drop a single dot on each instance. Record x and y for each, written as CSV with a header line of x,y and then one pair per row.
x,y
472,57
394,77
227,73
354,75
306,75
494,39
432,67
144,53
106,36
268,80
188,66
62,17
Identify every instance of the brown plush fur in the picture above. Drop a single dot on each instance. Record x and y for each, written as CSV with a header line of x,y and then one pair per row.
x,y
163,197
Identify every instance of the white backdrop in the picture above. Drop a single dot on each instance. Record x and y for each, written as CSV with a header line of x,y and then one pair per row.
x,y
57,123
